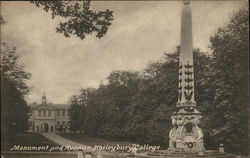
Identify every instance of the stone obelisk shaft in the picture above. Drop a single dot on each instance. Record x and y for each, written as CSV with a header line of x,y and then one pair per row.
x,y
186,79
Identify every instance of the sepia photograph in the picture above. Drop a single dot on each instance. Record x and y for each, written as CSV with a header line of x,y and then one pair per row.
x,y
125,79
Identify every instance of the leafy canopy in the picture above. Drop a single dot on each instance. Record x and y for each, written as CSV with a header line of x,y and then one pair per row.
x,y
80,19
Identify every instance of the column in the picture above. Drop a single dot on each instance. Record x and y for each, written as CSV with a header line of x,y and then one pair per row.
x,y
186,135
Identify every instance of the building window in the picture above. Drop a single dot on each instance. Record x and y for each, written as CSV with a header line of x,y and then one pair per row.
x,y
67,112
63,112
49,113
58,112
63,123
39,113
44,113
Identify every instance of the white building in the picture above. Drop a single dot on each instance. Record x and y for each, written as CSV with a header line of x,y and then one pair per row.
x,y
49,117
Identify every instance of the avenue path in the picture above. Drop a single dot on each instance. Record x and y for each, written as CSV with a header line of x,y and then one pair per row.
x,y
65,142
61,140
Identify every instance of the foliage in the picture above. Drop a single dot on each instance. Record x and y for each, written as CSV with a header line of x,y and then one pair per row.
x,y
77,111
14,110
230,68
74,114
80,19
12,69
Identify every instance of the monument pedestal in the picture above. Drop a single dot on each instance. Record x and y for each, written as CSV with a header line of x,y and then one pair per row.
x,y
186,135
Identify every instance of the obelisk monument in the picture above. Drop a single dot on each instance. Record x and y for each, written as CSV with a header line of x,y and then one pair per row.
x,y
186,135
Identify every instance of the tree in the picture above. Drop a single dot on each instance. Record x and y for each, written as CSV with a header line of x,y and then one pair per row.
x,y
121,89
230,83
14,110
84,96
75,114
12,69
78,109
81,20
109,105
95,115
83,100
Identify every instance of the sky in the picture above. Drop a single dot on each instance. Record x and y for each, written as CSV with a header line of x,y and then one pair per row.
x,y
141,32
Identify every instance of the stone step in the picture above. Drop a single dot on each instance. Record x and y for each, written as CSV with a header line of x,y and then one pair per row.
x,y
183,156
179,154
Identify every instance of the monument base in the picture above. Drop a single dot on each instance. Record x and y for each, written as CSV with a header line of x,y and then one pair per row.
x,y
190,146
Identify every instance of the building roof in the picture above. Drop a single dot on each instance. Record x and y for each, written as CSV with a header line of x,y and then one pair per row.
x,y
49,106
44,105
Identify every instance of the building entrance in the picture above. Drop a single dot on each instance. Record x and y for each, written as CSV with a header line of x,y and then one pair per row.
x,y
52,129
45,127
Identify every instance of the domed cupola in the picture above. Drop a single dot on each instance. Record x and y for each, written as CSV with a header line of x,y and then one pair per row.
x,y
44,102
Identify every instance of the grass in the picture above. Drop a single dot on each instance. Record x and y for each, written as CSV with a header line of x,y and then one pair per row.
x,y
92,141
36,155
25,139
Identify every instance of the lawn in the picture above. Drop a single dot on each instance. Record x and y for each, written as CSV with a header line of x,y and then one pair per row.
x,y
92,141
26,139
38,155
